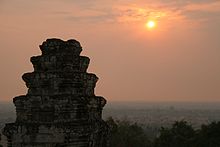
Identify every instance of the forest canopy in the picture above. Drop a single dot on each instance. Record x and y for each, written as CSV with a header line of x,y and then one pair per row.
x,y
180,134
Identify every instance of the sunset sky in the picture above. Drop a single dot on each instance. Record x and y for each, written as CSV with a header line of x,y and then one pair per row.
x,y
177,60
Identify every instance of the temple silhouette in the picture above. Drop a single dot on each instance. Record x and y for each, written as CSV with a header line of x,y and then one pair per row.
x,y
60,108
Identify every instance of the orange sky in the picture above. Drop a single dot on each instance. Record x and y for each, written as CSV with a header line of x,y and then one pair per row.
x,y
179,60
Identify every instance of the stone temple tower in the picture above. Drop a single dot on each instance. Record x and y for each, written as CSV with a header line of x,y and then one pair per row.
x,y
60,108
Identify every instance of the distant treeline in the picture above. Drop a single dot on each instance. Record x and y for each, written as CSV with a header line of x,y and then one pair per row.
x,y
180,134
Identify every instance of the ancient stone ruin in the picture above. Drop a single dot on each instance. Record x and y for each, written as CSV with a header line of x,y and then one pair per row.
x,y
60,108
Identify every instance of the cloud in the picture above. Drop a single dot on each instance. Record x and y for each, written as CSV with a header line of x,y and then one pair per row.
x,y
192,11
201,12
134,13
117,12
127,11
104,18
205,7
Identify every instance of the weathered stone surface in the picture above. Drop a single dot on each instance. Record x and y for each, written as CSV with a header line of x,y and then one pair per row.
x,y
60,108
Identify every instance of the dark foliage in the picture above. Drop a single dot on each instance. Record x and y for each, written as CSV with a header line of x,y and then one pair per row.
x,y
0,140
126,134
181,134
208,136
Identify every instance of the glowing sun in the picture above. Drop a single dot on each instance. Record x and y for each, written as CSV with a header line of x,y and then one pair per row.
x,y
150,24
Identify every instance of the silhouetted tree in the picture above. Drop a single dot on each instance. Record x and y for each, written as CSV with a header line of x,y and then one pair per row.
x,y
208,135
0,140
126,134
180,135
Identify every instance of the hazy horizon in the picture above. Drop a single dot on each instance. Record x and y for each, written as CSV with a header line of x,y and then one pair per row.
x,y
138,101
177,60
110,102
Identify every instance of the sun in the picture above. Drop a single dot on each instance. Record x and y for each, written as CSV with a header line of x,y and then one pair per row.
x,y
150,24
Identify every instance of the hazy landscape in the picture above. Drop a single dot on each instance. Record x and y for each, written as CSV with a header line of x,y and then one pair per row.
x,y
153,114
164,113
150,115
